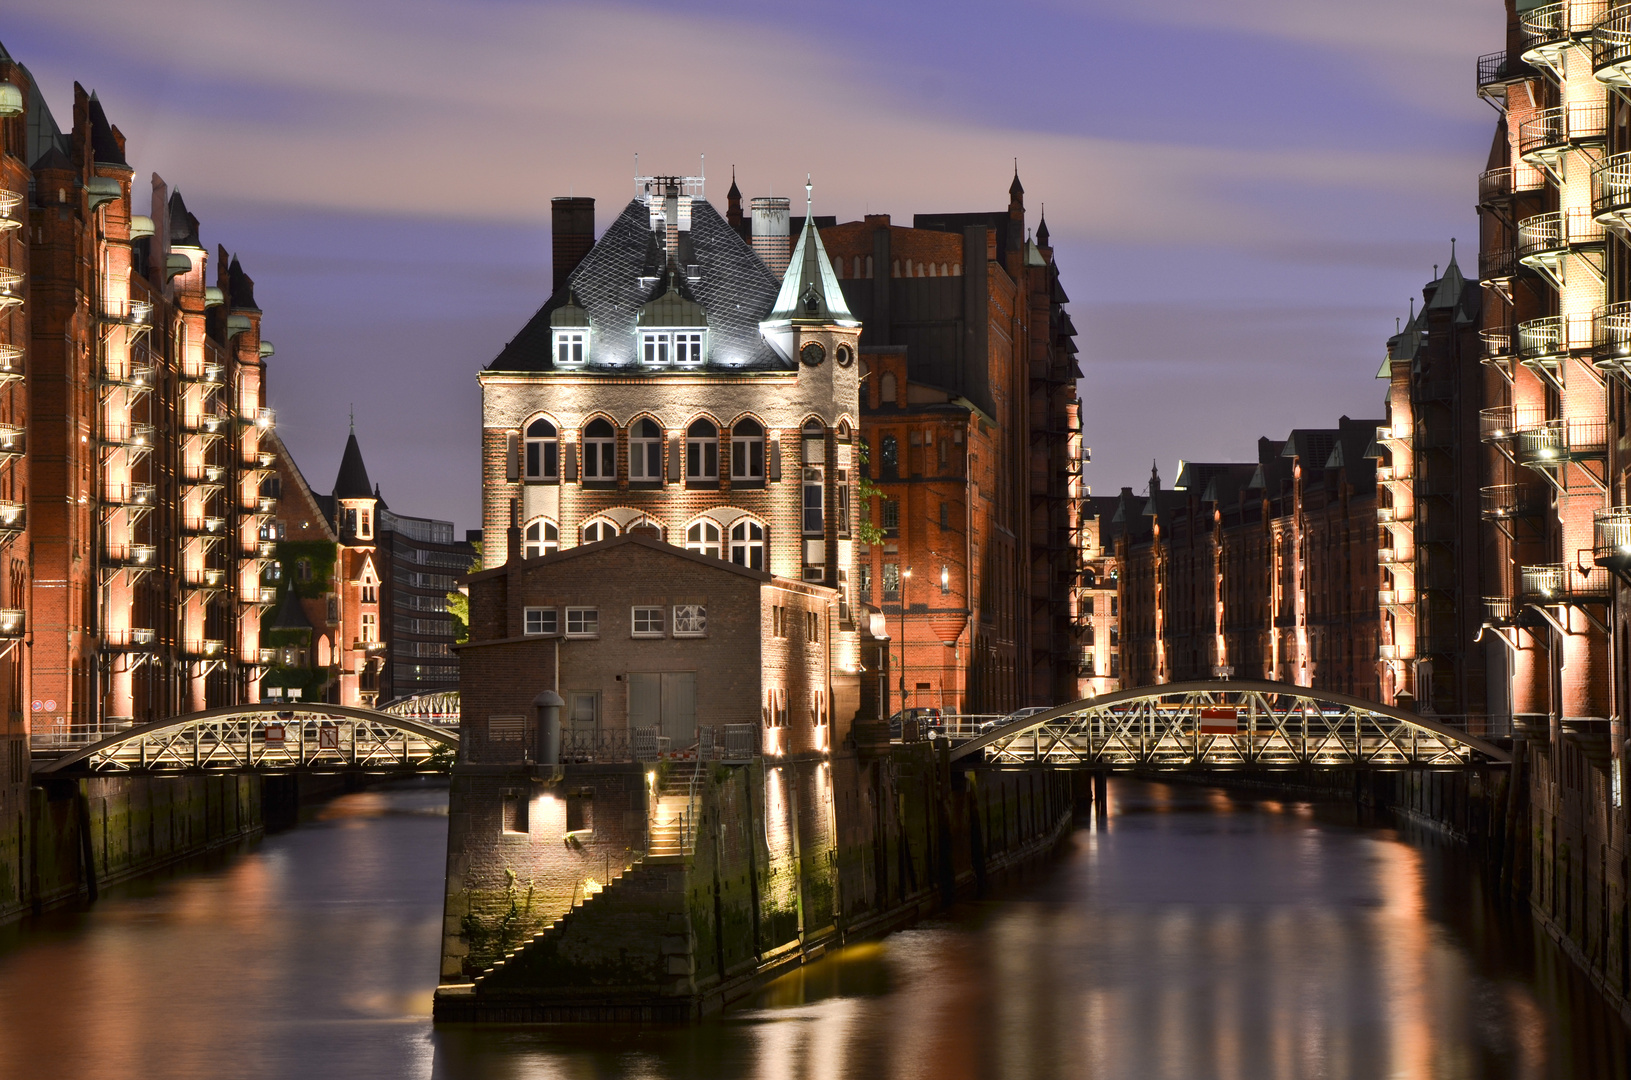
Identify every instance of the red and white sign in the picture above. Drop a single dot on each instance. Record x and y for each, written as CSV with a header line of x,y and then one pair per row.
x,y
274,733
1219,721
328,737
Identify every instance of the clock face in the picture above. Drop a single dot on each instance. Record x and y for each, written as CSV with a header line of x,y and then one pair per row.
x,y
813,353
846,356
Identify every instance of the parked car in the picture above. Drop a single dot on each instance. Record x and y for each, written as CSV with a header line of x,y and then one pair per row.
x,y
1017,714
911,725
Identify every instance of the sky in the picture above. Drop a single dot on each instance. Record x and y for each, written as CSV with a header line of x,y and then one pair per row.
x,y
1242,194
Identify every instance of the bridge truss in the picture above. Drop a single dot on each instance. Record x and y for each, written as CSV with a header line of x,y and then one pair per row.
x,y
1228,725
271,738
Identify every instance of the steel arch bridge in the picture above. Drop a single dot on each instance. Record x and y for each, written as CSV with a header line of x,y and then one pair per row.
x,y
1229,725
271,738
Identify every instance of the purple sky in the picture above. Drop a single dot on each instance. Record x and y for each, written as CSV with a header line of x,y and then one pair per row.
x,y
1242,193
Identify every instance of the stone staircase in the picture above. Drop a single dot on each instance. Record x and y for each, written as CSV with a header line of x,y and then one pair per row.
x,y
673,830
559,925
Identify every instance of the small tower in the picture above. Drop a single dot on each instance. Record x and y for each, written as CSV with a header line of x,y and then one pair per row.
x,y
357,578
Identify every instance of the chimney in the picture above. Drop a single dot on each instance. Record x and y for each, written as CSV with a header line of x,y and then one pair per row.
x,y
572,232
770,240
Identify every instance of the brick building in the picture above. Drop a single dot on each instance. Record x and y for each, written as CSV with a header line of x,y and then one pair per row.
x,y
1101,600
672,384
1256,570
145,410
639,635
973,426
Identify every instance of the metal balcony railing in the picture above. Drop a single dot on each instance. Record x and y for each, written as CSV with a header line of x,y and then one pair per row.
x,y
1558,583
202,475
1544,237
209,525
133,435
1389,556
206,649
1495,185
1504,502
134,637
1611,48
1500,610
10,282
1497,70
11,363
11,440
1551,131
1551,442
204,577
1611,335
9,202
1611,537
1611,190
1548,339
1497,424
132,555
1498,264
207,374
1389,514
13,516
12,621
1497,344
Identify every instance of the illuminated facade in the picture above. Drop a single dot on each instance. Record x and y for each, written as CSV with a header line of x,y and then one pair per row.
x,y
673,386
145,413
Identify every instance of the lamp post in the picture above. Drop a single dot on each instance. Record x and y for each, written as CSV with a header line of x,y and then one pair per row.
x,y
905,576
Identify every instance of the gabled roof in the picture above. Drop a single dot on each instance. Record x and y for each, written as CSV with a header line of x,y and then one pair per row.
x,y
183,225
628,268
290,615
352,482
582,550
105,148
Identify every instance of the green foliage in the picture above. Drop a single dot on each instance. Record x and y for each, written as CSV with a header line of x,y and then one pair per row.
x,y
867,531
491,941
458,606
321,555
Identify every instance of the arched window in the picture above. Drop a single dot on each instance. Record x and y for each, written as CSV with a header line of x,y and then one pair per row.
x,y
747,451
599,451
886,387
748,544
703,538
702,453
543,451
645,452
543,538
599,529
890,463
844,431
814,451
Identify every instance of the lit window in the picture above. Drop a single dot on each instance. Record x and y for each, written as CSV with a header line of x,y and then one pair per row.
x,y
541,621
370,627
688,347
645,451
891,581
582,621
891,516
690,620
863,583
543,451
703,538
813,509
843,504
747,451
543,538
599,451
370,594
748,544
570,346
599,529
648,622
659,347
702,452
655,347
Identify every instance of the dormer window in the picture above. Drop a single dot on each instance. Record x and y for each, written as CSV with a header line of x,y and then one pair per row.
x,y
571,346
659,348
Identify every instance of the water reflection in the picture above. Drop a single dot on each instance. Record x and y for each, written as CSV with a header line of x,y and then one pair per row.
x,y
1200,935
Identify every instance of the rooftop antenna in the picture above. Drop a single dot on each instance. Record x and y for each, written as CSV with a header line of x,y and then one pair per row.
x,y
353,417
809,198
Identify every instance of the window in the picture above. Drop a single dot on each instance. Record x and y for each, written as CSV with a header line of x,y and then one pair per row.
x,y
688,347
864,583
541,621
599,529
891,516
515,812
302,569
648,622
583,707
886,387
690,620
812,626
599,451
702,453
543,538
370,627
747,451
370,594
580,811
646,452
814,515
333,608
659,347
748,544
891,458
945,579
543,451
891,581
570,346
945,512
778,621
703,538
582,622
843,504
1087,605
655,347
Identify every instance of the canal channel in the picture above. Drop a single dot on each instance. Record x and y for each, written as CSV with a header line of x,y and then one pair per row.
x,y
1194,933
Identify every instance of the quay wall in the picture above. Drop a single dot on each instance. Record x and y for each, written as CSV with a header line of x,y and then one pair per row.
x,y
67,838
787,859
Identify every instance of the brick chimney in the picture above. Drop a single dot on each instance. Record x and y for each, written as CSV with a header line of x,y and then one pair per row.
x,y
572,232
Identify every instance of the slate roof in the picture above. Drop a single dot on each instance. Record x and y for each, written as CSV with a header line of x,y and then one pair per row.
x,y
352,483
627,268
291,615
104,147
183,225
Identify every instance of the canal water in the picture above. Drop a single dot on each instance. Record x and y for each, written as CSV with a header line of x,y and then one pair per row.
x,y
1197,934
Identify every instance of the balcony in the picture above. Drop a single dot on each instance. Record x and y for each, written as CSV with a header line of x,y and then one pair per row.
x,y
1556,583
1396,598
206,649
131,436
1395,652
135,377
209,374
1550,133
1498,266
206,526
1496,347
207,476
13,519
11,363
1507,502
131,638
10,282
1544,342
1611,336
1497,424
1496,71
1611,49
12,621
265,419
9,202
369,647
1389,514
129,495
207,424
1549,30
1553,442
1500,611
1389,556
204,577
132,557
11,441
1545,239
1611,538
